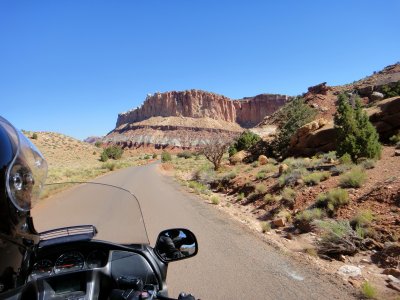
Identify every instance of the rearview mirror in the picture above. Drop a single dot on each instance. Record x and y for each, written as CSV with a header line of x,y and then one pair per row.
x,y
176,244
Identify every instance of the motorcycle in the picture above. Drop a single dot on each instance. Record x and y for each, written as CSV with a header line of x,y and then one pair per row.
x,y
93,244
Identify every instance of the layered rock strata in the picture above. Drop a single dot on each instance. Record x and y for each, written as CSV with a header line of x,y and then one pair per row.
x,y
246,112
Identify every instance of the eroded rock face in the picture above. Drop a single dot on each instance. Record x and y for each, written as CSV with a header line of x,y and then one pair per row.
x,y
246,112
251,111
192,103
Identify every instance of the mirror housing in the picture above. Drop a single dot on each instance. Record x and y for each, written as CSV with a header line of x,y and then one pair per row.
x,y
176,244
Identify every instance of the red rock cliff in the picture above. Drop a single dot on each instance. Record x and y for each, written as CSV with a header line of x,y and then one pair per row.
x,y
200,104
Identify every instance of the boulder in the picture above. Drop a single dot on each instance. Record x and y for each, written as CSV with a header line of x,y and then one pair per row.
x,y
321,88
263,160
376,96
281,222
349,271
238,157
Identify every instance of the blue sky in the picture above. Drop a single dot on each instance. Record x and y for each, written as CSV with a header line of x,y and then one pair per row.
x,y
72,66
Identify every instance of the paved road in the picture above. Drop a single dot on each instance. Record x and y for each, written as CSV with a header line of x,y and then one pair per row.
x,y
232,263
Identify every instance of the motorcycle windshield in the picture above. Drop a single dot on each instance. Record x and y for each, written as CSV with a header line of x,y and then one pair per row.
x,y
113,211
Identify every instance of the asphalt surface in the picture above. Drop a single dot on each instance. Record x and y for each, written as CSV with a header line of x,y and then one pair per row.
x,y
232,262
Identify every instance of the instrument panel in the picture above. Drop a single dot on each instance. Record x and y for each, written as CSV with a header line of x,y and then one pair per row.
x,y
68,261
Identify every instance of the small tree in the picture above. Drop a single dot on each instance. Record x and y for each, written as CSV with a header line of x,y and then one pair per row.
x,y
245,141
356,135
34,136
291,117
113,152
214,151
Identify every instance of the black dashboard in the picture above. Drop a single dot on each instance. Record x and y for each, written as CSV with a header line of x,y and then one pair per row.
x,y
87,270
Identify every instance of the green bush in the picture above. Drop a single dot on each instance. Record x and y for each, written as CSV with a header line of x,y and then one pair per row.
x,y
146,157
261,188
165,156
113,152
288,194
391,90
109,165
268,198
355,178
261,175
214,200
317,177
345,159
332,200
394,139
292,177
103,157
154,156
368,164
309,215
355,133
363,219
97,144
240,197
334,230
368,290
245,141
184,154
34,136
265,227
291,116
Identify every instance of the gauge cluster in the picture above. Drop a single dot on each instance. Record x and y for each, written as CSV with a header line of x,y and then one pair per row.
x,y
69,260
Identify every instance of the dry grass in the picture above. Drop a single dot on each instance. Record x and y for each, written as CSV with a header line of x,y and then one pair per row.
x,y
72,160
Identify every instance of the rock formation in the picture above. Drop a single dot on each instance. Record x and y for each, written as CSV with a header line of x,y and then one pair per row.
x,y
247,112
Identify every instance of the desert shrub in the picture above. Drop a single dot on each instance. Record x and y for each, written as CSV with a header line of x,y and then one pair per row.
x,y
355,133
368,290
288,194
111,166
391,90
261,175
334,229
310,215
240,197
146,157
315,178
346,159
291,116
184,154
245,141
328,157
103,157
395,138
228,176
214,199
34,136
292,177
198,187
363,219
269,198
298,163
97,144
265,226
204,174
113,152
261,188
255,164
304,219
165,156
94,153
355,178
154,156
368,164
332,200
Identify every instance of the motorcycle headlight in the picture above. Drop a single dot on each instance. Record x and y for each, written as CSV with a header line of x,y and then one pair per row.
x,y
27,172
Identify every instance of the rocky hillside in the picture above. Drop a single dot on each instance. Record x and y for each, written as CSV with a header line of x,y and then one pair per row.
x,y
188,119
